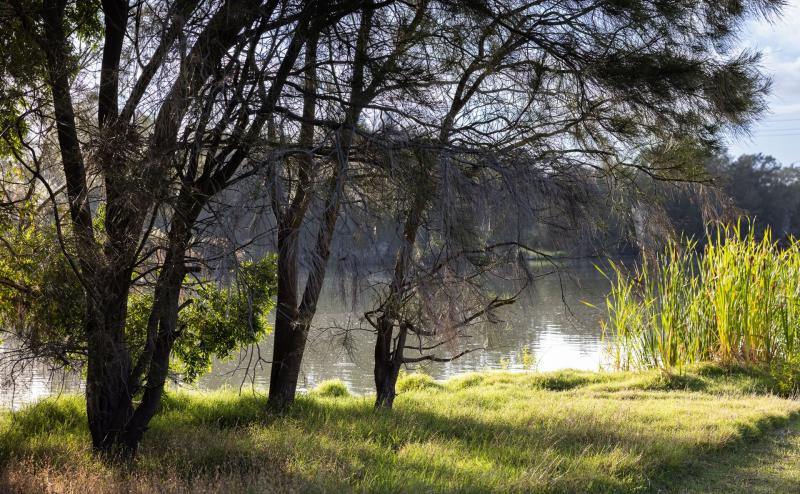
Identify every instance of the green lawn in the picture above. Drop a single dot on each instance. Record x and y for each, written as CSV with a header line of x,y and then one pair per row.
x,y
707,431
770,465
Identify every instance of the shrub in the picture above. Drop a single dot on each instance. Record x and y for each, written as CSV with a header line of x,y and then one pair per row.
x,y
333,388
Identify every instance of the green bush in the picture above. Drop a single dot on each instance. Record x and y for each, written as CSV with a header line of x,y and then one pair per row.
x,y
333,388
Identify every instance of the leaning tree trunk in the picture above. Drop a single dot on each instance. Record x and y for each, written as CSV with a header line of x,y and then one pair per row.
x,y
388,360
162,324
286,361
292,325
116,425
165,309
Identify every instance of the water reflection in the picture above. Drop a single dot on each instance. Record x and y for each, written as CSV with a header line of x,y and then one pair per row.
x,y
551,320
22,385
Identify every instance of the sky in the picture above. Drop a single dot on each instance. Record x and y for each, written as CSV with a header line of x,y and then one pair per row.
x,y
778,132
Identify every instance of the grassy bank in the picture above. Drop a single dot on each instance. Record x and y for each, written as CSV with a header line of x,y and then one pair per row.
x,y
495,432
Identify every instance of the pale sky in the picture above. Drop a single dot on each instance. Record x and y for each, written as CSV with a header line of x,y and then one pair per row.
x,y
778,133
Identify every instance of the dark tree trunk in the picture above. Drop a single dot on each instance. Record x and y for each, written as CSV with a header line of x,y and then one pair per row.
x,y
163,324
116,425
109,402
290,345
388,349
292,322
387,366
285,359
291,331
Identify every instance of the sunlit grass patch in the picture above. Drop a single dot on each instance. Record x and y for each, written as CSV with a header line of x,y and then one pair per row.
x,y
333,388
566,431
416,381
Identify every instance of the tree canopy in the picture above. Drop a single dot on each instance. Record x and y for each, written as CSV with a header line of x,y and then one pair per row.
x,y
141,124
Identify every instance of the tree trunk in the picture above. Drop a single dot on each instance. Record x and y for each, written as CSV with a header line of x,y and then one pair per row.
x,y
166,306
109,401
293,320
290,344
112,382
387,366
281,386
164,316
290,333
387,359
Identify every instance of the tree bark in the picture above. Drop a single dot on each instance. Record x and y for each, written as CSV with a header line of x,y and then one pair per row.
x,y
388,360
285,363
387,364
293,321
109,402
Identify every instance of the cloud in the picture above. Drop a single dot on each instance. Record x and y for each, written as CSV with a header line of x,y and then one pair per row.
x,y
778,40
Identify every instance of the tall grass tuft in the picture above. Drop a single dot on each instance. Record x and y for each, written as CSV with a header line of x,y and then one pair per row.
x,y
735,302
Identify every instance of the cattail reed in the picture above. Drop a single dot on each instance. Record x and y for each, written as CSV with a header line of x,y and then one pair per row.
x,y
735,301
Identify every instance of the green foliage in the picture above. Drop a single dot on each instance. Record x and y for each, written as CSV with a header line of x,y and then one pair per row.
x,y
41,300
332,388
216,320
605,432
736,303
220,320
83,18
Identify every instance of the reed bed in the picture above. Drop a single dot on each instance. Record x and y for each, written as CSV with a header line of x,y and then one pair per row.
x,y
735,301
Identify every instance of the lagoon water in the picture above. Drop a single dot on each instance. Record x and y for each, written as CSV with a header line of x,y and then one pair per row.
x,y
552,320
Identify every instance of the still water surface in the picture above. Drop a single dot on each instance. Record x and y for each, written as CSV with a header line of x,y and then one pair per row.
x,y
552,320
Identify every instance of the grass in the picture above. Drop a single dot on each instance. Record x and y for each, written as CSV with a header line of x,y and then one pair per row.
x,y
493,432
771,465
736,302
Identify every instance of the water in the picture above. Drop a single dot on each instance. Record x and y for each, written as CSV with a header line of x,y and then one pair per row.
x,y
551,320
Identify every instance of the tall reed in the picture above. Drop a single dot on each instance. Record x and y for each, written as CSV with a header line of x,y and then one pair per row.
x,y
737,302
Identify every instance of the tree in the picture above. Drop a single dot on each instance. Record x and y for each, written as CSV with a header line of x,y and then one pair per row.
x,y
184,91
756,186
356,65
573,93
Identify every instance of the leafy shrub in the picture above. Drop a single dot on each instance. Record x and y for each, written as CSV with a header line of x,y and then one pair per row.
x,y
217,320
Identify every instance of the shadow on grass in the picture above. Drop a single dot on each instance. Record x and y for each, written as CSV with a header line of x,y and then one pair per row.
x,y
483,433
766,465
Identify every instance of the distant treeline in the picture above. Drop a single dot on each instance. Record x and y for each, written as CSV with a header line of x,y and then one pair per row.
x,y
755,186
754,189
